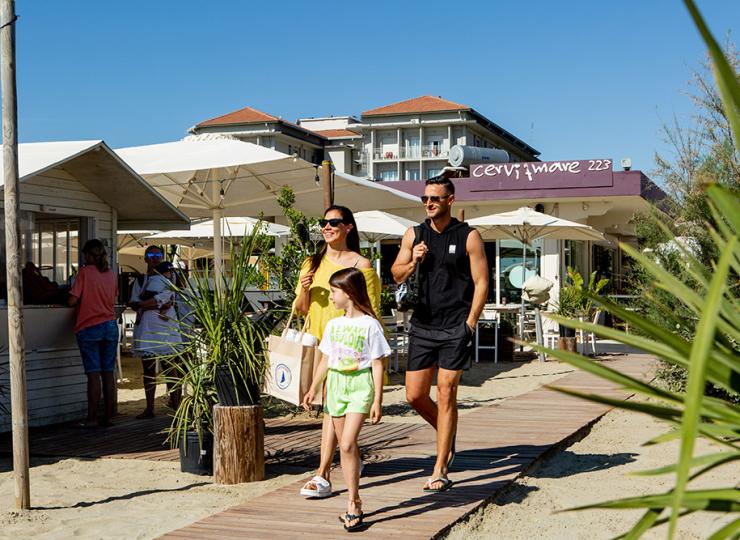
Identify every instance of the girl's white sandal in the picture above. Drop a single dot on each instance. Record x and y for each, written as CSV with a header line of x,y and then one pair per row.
x,y
322,488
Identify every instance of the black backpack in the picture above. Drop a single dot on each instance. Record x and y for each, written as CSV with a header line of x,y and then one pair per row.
x,y
408,293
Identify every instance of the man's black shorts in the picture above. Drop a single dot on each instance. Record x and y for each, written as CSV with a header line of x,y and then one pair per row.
x,y
448,348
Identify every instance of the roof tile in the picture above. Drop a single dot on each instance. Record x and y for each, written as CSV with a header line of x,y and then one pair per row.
x,y
246,115
337,133
415,105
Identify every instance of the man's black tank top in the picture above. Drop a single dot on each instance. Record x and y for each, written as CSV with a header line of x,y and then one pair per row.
x,y
446,284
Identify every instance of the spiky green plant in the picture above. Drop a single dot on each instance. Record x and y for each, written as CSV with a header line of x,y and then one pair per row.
x,y
217,332
711,354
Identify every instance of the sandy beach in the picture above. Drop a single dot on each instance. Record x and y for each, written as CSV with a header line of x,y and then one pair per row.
x,y
594,469
139,499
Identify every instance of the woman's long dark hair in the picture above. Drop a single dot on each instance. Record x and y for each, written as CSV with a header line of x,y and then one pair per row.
x,y
96,250
352,282
353,236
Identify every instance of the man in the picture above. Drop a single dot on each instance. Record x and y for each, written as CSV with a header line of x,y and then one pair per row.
x,y
453,290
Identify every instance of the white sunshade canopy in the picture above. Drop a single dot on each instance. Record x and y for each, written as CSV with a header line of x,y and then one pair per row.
x,y
201,234
132,239
94,165
526,226
375,225
244,179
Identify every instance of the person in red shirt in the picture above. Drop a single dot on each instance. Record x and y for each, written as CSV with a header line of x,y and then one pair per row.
x,y
94,293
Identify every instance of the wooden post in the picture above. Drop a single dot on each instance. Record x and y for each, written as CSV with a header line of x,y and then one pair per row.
x,y
16,340
239,444
461,214
326,183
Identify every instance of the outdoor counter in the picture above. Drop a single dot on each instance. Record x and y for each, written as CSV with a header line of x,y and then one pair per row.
x,y
57,385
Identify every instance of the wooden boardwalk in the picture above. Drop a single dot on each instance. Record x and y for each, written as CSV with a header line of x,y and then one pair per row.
x,y
288,441
495,444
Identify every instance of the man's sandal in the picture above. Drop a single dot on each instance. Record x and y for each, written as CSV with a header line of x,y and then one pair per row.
x,y
446,484
346,518
321,488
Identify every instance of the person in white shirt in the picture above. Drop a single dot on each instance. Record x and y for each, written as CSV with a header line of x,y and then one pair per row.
x,y
156,332
353,347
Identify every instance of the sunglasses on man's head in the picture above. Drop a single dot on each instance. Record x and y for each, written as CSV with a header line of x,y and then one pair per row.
x,y
333,222
434,198
153,255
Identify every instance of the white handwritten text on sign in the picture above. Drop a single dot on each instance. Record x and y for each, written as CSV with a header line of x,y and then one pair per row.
x,y
534,170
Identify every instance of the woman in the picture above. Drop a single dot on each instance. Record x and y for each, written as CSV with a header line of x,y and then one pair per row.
x,y
94,293
341,249
156,332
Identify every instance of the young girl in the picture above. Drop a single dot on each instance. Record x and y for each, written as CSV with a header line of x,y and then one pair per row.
x,y
353,348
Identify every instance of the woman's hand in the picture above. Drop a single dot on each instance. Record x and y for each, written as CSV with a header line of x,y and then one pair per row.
x,y
307,280
308,399
376,412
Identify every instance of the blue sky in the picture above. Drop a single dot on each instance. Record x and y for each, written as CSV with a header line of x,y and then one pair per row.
x,y
577,80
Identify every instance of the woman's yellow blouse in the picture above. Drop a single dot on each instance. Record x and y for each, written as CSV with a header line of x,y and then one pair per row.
x,y
320,309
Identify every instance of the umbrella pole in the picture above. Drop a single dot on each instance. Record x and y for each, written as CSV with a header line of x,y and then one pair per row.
x,y
16,338
377,257
217,248
521,316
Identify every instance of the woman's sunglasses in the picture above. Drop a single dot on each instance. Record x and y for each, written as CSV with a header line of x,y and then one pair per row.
x,y
333,222
153,255
433,199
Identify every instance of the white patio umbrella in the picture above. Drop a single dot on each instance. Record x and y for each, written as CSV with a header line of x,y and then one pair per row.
x,y
201,234
127,239
224,177
526,226
375,225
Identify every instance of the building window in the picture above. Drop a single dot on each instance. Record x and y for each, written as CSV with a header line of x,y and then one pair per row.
x,y
412,173
388,176
55,248
431,173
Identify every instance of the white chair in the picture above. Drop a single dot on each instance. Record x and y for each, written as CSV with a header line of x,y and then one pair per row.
x,y
478,346
589,338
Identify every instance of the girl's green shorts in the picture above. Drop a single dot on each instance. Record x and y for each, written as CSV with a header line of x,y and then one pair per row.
x,y
349,392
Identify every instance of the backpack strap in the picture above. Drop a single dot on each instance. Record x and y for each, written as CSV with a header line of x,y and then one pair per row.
x,y
417,235
414,279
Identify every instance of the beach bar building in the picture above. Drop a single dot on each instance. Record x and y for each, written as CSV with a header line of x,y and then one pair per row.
x,y
69,192
585,191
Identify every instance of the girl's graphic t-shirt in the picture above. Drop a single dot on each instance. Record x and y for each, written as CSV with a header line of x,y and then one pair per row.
x,y
352,344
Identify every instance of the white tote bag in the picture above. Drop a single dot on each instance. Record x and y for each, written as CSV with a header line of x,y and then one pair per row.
x,y
291,365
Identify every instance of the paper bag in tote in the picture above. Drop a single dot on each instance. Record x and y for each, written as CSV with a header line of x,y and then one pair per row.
x,y
291,366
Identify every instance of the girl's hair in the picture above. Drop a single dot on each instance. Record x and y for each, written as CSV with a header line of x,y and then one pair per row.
x,y
352,282
353,236
95,249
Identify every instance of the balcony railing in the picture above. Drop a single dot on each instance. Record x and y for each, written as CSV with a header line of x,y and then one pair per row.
x,y
434,151
411,152
384,153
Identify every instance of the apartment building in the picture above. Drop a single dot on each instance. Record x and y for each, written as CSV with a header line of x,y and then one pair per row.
x,y
411,140
408,140
251,125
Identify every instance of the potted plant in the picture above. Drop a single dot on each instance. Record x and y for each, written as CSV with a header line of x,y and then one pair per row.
x,y
575,301
569,303
387,302
192,423
222,360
